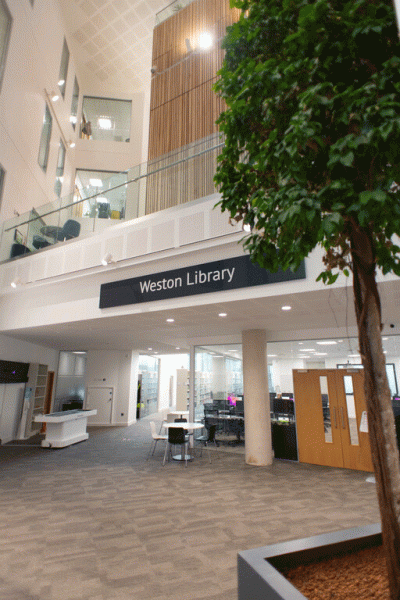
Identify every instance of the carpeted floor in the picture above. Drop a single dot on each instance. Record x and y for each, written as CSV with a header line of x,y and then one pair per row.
x,y
97,521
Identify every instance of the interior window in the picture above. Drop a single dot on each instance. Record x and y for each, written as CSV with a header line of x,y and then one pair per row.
x,y
60,169
106,119
74,104
5,30
45,139
62,79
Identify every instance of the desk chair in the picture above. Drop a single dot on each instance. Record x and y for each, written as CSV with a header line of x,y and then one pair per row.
x,y
69,230
176,437
156,438
204,440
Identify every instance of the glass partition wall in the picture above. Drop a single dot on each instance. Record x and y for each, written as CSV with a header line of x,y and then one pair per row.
x,y
218,391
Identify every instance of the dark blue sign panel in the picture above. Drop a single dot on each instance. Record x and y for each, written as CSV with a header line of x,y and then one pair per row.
x,y
218,276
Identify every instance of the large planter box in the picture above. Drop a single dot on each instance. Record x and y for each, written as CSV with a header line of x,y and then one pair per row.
x,y
259,576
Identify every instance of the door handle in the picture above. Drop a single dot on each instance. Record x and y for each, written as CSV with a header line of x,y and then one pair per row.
x,y
342,418
334,417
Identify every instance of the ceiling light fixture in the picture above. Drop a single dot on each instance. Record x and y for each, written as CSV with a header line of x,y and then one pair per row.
x,y
286,308
104,123
61,82
205,41
222,314
54,96
170,320
327,343
16,282
71,144
107,259
96,182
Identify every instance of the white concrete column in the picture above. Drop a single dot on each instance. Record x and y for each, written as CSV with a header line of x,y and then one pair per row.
x,y
256,398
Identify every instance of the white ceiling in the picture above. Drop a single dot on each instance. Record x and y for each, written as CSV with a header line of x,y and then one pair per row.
x,y
320,314
111,41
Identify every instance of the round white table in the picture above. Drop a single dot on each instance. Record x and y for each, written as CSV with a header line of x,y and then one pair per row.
x,y
187,426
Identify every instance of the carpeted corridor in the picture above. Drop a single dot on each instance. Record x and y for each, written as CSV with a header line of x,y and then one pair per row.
x,y
97,521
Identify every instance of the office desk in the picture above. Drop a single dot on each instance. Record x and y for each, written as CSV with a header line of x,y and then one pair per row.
x,y
227,424
65,428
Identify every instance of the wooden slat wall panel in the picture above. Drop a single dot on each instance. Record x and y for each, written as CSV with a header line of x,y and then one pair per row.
x,y
183,107
183,182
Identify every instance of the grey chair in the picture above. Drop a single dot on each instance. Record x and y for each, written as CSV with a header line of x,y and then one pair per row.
x,y
205,440
69,230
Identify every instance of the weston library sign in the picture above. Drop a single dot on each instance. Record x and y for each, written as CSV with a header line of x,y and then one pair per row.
x,y
218,276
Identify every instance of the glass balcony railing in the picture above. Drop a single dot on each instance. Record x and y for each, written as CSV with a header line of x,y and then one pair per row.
x,y
170,10
179,177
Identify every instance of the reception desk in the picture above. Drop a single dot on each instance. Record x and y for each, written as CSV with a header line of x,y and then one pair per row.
x,y
65,428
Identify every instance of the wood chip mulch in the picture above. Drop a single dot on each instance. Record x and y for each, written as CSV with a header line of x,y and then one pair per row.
x,y
357,576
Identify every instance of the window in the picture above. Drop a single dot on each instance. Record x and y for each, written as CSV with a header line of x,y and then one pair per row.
x,y
74,104
60,169
109,119
45,139
5,29
62,79
105,192
2,176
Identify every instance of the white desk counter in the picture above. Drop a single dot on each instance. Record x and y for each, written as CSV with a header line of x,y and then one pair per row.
x,y
65,428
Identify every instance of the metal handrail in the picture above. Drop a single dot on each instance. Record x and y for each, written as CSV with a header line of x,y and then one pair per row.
x,y
125,183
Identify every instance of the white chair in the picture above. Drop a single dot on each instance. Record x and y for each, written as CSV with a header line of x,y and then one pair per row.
x,y
157,437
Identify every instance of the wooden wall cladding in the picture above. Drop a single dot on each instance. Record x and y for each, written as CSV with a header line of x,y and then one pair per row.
x,y
184,181
183,106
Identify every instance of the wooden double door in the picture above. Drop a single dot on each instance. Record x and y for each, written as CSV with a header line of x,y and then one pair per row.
x,y
330,407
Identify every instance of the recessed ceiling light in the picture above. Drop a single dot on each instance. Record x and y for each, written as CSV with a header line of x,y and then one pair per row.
x,y
301,343
321,354
304,357
61,82
384,339
96,182
327,343
308,349
222,314
271,355
286,308
170,320
104,123
54,97
177,348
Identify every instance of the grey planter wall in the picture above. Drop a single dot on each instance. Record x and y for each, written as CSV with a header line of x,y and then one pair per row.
x,y
259,576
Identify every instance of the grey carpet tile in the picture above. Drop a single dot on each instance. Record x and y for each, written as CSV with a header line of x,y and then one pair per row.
x,y
97,521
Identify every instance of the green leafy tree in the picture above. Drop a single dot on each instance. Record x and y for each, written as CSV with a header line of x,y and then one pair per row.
x,y
312,130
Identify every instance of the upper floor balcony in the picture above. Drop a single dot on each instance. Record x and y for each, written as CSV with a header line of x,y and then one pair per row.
x,y
98,206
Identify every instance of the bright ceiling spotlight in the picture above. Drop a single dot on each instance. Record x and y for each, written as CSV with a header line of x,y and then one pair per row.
x,y
205,41
71,144
286,308
107,259
54,96
170,320
222,314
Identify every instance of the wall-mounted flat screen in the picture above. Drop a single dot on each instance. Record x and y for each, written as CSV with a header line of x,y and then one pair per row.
x,y
13,372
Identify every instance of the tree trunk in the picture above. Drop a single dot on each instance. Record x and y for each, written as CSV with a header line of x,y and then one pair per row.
x,y
382,434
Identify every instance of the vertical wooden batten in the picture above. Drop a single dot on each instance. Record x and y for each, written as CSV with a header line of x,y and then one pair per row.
x,y
183,107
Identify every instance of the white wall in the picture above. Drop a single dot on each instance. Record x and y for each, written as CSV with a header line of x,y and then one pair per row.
x,y
116,369
11,395
32,69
